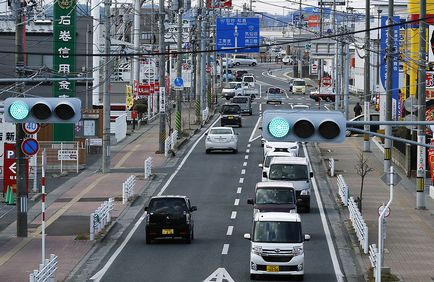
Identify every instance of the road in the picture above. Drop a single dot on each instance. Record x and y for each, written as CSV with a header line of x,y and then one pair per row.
x,y
219,185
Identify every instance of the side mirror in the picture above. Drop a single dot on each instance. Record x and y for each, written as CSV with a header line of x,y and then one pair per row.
x,y
264,174
247,236
206,133
250,201
260,165
311,174
306,237
193,208
146,209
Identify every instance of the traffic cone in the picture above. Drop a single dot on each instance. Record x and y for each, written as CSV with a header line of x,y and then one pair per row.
x,y
8,190
11,200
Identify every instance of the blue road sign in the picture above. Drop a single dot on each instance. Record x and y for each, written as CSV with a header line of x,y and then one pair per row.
x,y
237,35
178,82
30,146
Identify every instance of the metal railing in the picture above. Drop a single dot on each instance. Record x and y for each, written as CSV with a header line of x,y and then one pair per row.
x,y
332,167
205,114
173,138
373,255
359,224
148,167
167,146
46,272
343,190
100,218
128,188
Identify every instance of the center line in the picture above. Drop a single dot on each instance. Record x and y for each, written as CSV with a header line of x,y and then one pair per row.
x,y
247,150
234,215
241,180
243,171
237,202
230,230
248,145
225,249
239,190
246,157
245,164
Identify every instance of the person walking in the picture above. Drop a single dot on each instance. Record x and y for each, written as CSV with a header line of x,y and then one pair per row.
x,y
357,109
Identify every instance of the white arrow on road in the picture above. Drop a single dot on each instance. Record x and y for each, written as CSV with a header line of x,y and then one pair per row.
x,y
219,275
13,168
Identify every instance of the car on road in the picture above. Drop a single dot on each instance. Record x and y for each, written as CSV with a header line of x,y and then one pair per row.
x,y
274,197
373,128
249,79
239,74
239,60
169,216
230,64
299,86
277,245
269,156
221,138
232,89
245,103
287,147
230,115
287,60
274,95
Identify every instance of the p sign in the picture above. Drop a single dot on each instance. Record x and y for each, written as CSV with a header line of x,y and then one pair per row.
x,y
31,127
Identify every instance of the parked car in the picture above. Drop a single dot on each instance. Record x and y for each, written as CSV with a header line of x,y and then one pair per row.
x,y
239,60
276,196
169,217
230,115
221,138
275,95
239,74
372,128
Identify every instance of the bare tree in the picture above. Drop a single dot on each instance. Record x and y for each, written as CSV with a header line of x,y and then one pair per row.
x,y
362,169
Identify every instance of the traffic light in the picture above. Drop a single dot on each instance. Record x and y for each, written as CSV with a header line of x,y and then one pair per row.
x,y
302,125
42,110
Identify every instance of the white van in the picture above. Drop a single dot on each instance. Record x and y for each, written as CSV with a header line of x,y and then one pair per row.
x,y
267,160
277,245
296,170
299,86
249,79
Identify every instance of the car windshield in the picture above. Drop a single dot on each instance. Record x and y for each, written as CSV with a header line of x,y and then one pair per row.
x,y
288,172
274,196
248,79
167,206
240,100
220,131
274,90
299,83
277,232
231,109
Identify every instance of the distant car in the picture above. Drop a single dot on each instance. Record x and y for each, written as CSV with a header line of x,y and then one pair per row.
x,y
287,60
269,156
221,138
233,89
244,60
239,74
373,128
230,64
290,147
169,217
274,95
299,86
249,79
231,115
299,107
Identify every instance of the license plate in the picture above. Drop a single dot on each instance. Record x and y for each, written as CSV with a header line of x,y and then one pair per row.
x,y
167,231
230,117
272,268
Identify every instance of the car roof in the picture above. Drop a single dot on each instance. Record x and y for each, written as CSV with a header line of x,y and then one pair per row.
x,y
298,79
221,127
283,184
281,144
277,216
292,160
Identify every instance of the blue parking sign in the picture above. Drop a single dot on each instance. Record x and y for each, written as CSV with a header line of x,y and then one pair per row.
x,y
237,35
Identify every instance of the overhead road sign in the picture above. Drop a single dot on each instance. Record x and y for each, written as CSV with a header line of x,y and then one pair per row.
x,y
237,35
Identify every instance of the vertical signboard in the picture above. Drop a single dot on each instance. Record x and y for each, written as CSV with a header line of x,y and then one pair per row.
x,y
7,135
64,38
431,44
10,168
237,35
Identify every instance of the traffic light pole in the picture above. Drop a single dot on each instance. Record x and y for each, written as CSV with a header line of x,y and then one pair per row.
x,y
389,86
22,196
106,94
178,118
367,77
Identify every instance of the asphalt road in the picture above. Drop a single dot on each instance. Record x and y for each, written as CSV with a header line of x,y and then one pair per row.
x,y
219,185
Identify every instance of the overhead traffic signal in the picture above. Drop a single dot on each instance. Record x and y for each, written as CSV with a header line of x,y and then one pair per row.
x,y
303,126
42,110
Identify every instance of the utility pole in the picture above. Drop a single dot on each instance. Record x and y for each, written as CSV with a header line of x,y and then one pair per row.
x,y
136,41
389,86
161,72
367,76
300,50
203,65
178,118
421,96
338,76
378,51
198,102
22,196
106,96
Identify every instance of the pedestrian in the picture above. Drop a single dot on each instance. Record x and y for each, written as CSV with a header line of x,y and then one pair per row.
x,y
357,109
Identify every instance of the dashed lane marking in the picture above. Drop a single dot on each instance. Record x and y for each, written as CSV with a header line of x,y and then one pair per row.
x,y
248,145
245,164
225,249
243,171
237,202
239,190
230,230
241,180
248,151
246,157
233,215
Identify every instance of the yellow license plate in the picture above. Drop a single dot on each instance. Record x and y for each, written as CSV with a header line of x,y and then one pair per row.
x,y
272,268
167,231
230,117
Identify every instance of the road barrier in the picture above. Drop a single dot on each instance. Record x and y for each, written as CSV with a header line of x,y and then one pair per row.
x,y
167,146
128,188
46,272
205,115
100,218
332,167
343,190
373,255
359,224
173,138
148,167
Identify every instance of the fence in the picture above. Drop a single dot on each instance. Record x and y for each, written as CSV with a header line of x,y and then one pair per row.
x,y
173,138
167,146
128,188
148,167
343,190
46,272
373,255
205,115
332,167
100,218
359,224
119,127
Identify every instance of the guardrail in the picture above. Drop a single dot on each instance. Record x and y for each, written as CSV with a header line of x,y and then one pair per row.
x,y
148,167
100,218
373,255
205,115
343,190
173,138
128,188
332,167
359,224
167,146
46,272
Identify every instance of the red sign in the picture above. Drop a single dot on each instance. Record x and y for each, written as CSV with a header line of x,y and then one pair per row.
x,y
313,21
429,79
327,81
136,88
431,161
10,168
144,89
219,4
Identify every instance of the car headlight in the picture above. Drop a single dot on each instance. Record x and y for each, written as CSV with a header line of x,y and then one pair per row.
x,y
305,192
268,147
294,148
298,251
257,250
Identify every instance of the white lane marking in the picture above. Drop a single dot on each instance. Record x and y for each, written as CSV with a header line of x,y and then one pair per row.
x,y
247,151
239,189
230,230
380,147
254,129
99,275
326,108
237,202
246,157
243,171
257,137
260,107
225,249
244,163
248,145
233,215
334,257
241,180
219,275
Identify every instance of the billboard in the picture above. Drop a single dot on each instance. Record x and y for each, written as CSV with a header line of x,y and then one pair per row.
x,y
237,35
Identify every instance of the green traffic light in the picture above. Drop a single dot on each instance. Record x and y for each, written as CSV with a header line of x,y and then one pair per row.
x,y
19,110
278,127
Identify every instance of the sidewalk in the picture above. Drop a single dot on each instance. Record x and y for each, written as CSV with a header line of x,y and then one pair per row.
x,y
69,206
409,245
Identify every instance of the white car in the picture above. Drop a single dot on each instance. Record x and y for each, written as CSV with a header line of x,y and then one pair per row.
x,y
233,89
221,138
231,62
289,147
267,160
287,60
239,60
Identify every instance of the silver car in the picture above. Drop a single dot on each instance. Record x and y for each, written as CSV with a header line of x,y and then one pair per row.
x,y
221,138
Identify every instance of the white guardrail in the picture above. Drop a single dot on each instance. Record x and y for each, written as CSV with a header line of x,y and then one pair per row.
x,y
46,272
343,190
128,188
205,115
148,167
173,138
100,218
332,167
359,224
373,255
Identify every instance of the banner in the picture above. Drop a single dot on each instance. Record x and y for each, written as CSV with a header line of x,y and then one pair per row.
x,y
431,161
431,44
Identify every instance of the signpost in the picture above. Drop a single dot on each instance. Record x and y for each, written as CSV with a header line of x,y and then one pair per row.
x,y
237,35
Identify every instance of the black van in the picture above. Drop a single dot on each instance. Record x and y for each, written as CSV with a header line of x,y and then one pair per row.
x,y
230,115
